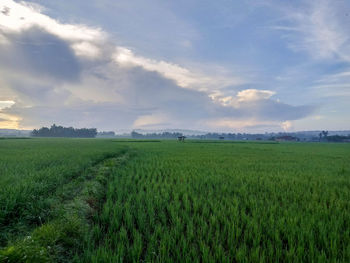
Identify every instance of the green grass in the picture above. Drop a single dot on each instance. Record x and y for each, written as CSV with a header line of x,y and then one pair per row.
x,y
179,202
32,174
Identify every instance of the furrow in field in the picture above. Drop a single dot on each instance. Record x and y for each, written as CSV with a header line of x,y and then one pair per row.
x,y
76,203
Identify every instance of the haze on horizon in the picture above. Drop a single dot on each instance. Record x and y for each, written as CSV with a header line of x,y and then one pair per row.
x,y
230,66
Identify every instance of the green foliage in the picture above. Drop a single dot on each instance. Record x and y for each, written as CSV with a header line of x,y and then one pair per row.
x,y
25,251
68,132
56,241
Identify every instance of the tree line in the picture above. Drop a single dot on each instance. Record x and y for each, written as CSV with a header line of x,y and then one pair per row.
x,y
296,136
60,131
323,135
338,138
208,136
163,135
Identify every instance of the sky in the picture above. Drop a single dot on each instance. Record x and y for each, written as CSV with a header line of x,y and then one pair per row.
x,y
223,66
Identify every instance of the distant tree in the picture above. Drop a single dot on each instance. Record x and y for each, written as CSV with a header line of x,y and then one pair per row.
x,y
323,135
60,131
106,134
34,133
163,135
136,135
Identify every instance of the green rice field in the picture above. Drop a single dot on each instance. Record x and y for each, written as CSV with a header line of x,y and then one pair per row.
x,y
106,200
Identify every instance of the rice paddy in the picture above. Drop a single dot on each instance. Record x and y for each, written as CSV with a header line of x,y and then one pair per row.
x,y
167,201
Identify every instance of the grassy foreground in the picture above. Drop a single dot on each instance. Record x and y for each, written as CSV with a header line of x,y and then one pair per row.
x,y
180,202
49,190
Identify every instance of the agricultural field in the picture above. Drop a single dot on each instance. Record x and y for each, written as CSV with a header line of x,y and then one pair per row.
x,y
90,200
43,185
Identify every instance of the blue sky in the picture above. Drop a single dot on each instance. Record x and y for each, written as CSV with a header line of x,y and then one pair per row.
x,y
238,66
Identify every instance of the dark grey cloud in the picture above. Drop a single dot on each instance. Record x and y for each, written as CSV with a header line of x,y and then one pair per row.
x,y
150,89
45,93
37,52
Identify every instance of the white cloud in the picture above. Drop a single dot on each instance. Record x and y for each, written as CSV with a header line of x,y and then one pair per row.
x,y
23,16
86,49
286,125
243,96
319,28
182,76
6,104
337,78
340,90
253,94
247,125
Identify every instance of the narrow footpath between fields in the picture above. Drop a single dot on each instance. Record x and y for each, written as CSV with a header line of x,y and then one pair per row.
x,y
76,204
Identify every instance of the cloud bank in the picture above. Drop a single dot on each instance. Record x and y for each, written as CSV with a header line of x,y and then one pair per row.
x,y
71,74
